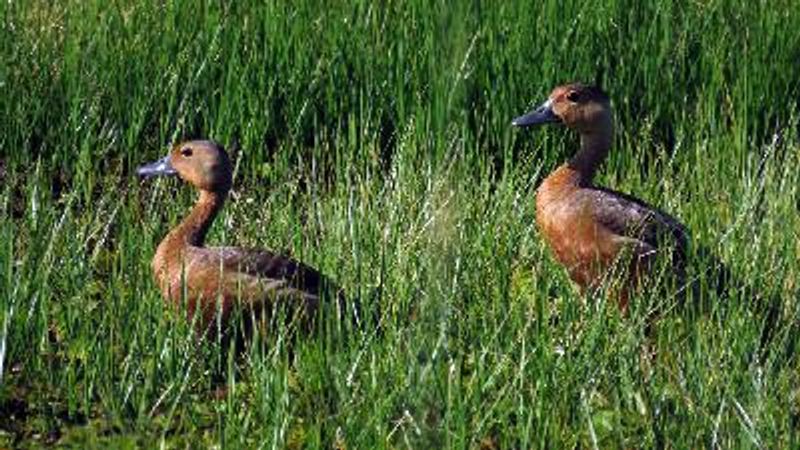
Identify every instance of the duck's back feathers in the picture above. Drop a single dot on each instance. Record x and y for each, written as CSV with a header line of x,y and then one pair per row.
x,y
264,264
219,278
630,217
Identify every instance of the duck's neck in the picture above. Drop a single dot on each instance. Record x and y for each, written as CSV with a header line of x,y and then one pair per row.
x,y
594,148
193,229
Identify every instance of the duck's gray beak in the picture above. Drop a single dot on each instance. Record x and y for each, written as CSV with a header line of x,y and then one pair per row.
x,y
159,168
540,115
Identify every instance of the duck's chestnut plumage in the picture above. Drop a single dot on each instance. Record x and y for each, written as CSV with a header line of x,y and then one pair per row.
x,y
212,281
598,234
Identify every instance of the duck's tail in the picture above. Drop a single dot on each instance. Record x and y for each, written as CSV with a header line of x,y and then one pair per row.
x,y
361,312
717,278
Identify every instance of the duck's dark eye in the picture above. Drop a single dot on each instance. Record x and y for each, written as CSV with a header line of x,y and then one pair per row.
x,y
573,96
186,151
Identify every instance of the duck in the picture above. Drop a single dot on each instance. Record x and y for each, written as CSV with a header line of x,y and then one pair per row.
x,y
212,282
603,238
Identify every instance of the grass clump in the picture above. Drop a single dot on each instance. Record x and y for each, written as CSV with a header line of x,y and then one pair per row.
x,y
374,142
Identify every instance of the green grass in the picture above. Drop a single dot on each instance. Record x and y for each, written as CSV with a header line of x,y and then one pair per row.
x,y
372,140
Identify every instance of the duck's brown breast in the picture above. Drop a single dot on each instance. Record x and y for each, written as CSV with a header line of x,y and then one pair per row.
x,y
583,246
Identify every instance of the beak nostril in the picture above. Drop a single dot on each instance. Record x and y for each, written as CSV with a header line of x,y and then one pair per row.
x,y
541,115
160,167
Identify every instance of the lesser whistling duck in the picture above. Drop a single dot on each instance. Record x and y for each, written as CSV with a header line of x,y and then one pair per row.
x,y
214,280
591,230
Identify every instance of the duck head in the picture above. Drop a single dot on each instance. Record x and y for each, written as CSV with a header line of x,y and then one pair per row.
x,y
204,164
583,108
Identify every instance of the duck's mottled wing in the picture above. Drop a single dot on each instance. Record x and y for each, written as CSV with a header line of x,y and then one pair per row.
x,y
632,218
273,266
277,275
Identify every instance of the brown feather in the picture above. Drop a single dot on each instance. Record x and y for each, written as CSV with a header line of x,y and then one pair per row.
x,y
214,281
597,234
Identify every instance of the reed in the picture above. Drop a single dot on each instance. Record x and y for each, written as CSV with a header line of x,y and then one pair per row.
x,y
373,141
